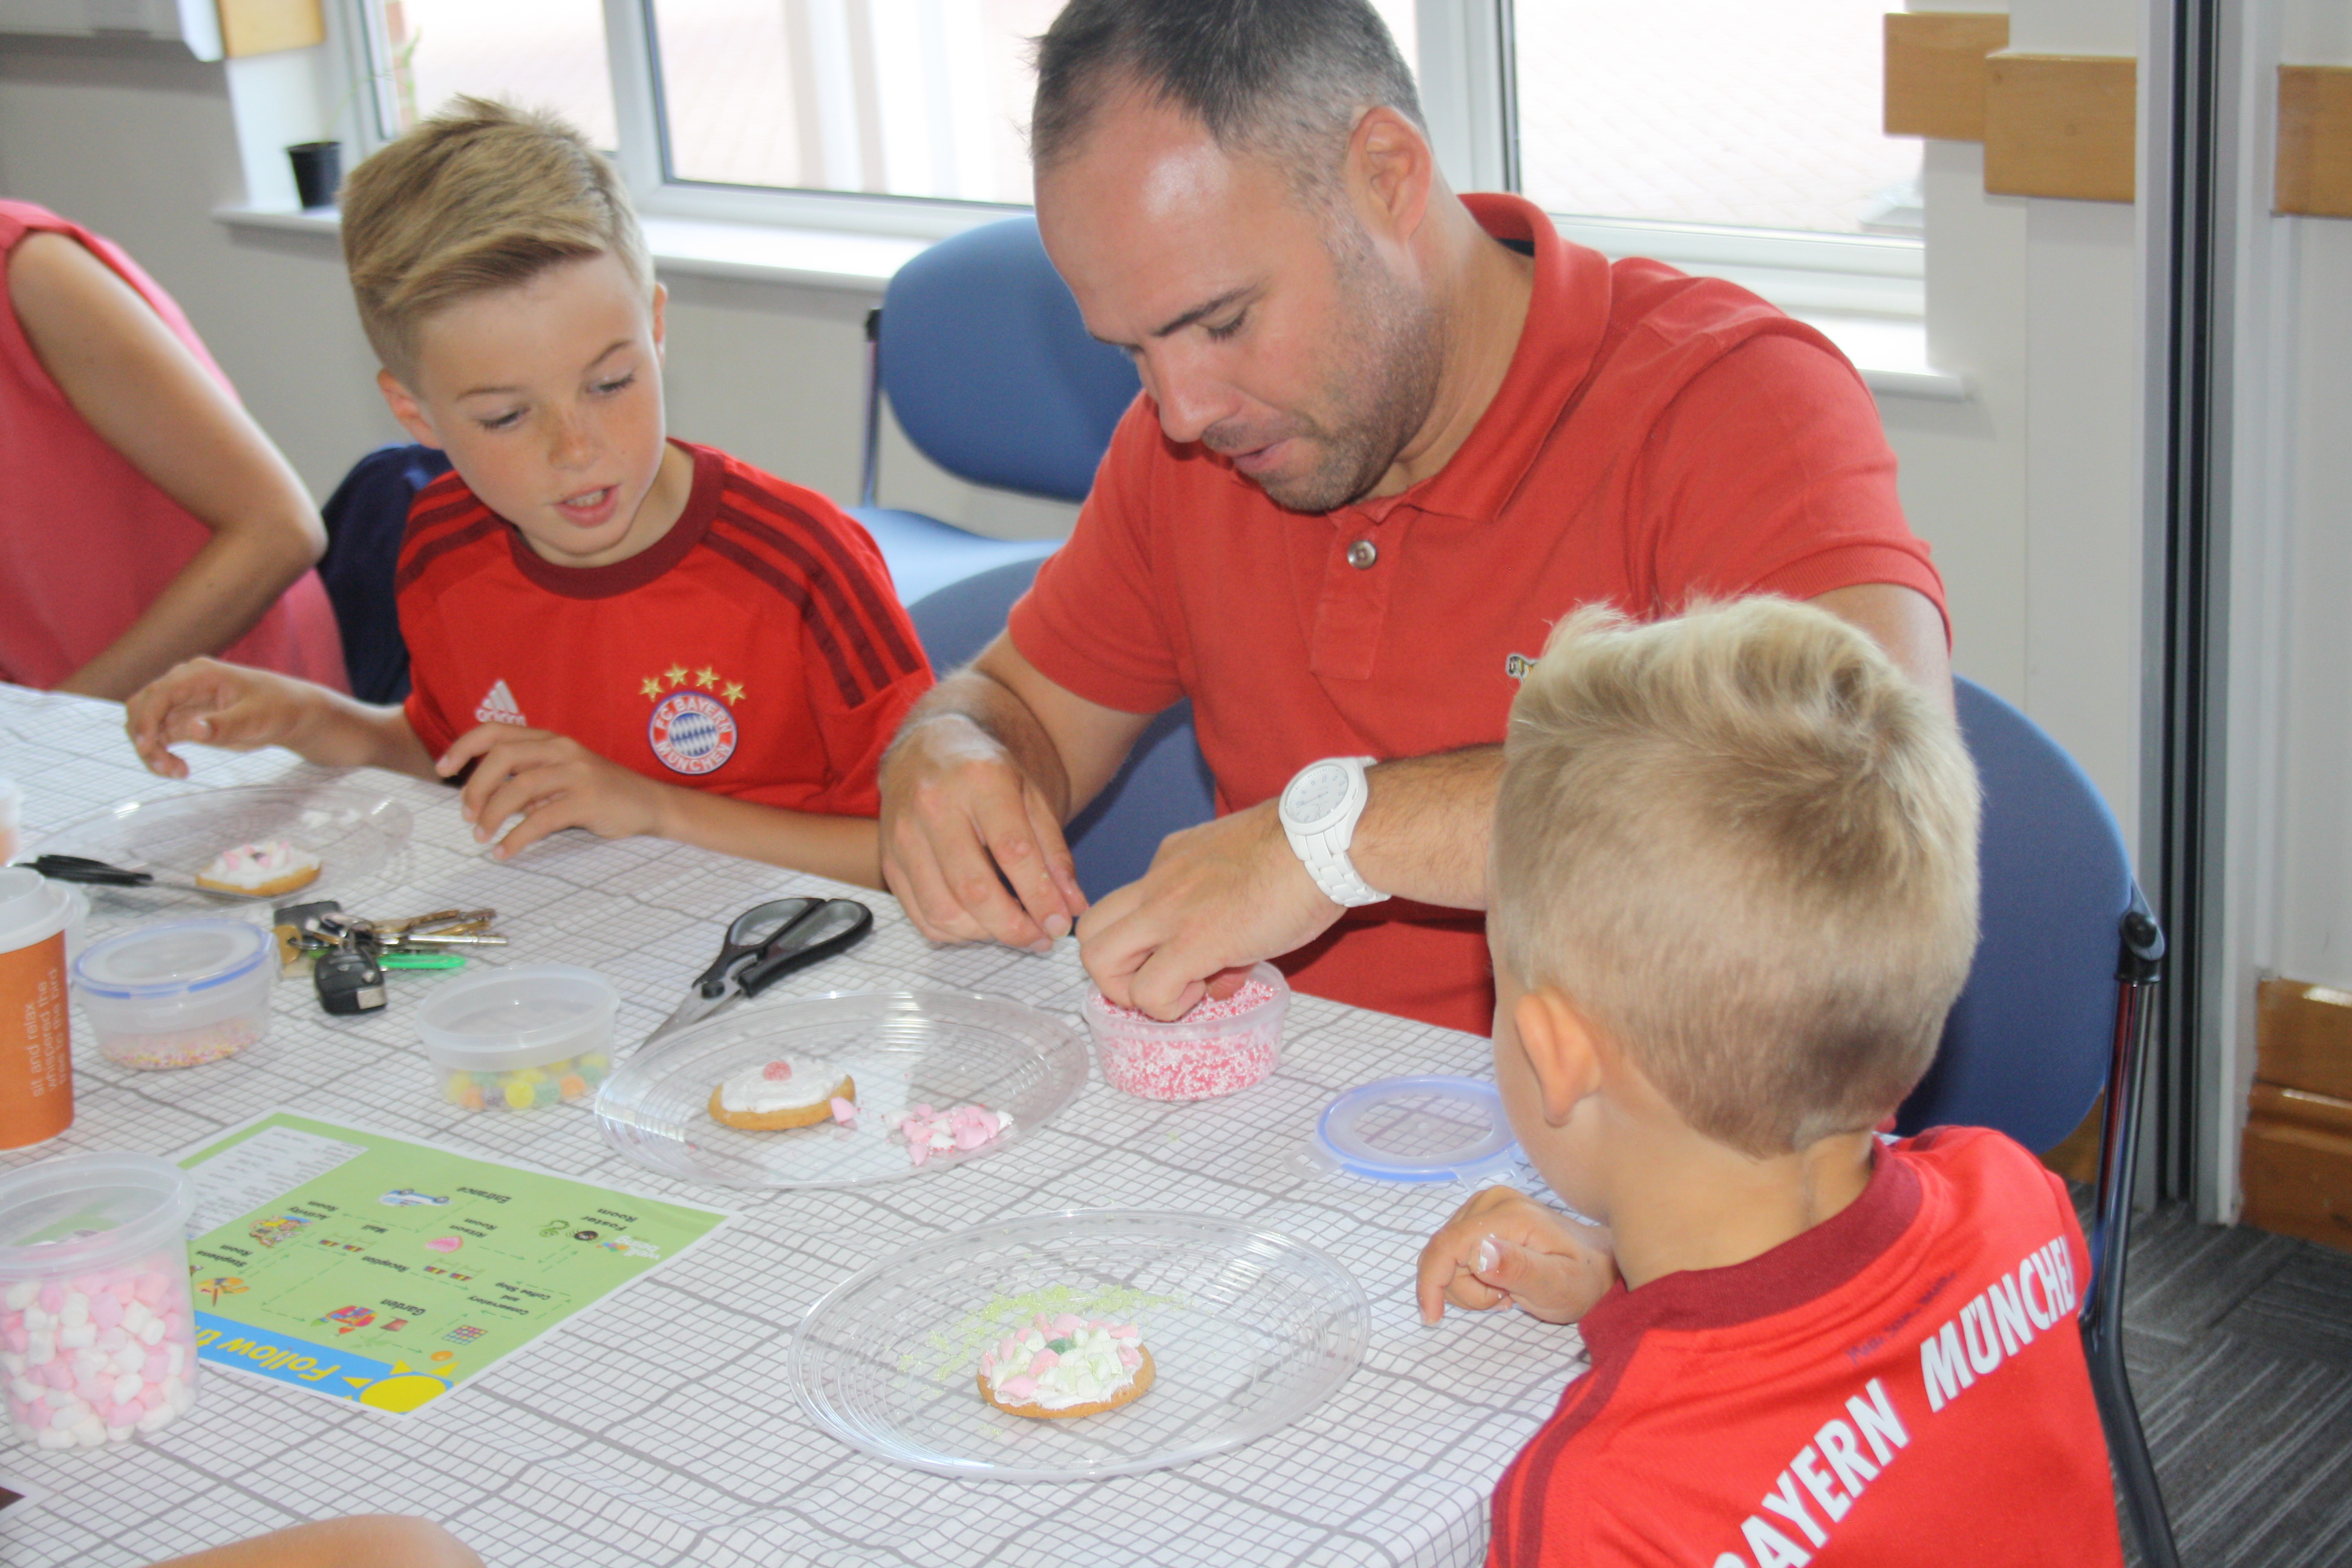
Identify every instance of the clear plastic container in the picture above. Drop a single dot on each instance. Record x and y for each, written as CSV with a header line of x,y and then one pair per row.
x,y
96,1332
524,1035
179,993
1218,1048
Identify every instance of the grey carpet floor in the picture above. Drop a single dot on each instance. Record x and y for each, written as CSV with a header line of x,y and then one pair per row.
x,y
2239,1348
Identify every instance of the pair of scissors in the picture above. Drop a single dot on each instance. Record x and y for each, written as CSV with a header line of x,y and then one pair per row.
x,y
765,943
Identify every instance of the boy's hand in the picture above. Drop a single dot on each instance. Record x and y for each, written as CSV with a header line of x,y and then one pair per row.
x,y
1503,1248
551,781
213,704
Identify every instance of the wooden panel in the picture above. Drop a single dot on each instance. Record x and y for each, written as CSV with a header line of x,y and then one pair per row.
x,y
2303,1037
266,27
2300,1106
1935,71
2060,125
2298,1181
2314,142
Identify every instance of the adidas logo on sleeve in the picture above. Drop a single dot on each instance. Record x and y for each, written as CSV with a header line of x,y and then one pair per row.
x,y
498,707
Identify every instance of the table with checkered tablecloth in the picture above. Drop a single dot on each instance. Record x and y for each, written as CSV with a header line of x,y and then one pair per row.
x,y
657,1427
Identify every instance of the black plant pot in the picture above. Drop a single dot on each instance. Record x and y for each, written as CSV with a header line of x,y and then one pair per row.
x,y
317,171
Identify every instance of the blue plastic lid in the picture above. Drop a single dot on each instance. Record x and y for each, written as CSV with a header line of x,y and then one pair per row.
x,y
1420,1129
173,958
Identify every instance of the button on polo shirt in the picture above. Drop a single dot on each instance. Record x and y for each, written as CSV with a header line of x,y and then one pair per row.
x,y
1657,438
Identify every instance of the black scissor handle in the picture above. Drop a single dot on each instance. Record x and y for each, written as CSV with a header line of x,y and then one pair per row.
x,y
95,873
752,929
835,926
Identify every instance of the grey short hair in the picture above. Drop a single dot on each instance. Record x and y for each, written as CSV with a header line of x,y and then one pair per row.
x,y
1285,78
1744,844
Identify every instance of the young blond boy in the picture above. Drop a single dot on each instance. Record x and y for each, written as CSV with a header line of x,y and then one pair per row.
x,y
1734,893
615,630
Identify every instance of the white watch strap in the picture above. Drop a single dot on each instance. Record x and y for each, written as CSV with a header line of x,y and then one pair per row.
x,y
1333,871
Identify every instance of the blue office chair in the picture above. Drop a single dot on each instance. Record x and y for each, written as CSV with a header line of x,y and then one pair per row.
x,y
2055,1012
1164,784
993,376
366,518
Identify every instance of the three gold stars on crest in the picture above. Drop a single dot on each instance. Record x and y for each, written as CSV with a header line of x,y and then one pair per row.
x,y
677,674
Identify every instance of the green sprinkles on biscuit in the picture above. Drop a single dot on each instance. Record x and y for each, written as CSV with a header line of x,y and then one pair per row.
x,y
957,1350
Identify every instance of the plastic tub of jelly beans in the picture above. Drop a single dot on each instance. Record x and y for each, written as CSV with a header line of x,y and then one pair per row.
x,y
1218,1048
179,994
97,1333
523,1036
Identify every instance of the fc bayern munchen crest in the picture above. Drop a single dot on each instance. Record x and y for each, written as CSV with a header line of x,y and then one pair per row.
x,y
692,733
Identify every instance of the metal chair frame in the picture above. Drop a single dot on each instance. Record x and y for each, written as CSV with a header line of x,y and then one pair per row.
x,y
2139,970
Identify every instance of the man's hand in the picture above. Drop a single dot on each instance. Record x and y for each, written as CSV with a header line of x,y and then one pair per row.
x,y
1503,1248
957,810
1218,897
551,781
213,704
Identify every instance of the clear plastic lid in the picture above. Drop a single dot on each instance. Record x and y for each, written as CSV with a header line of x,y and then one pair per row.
x,y
85,1211
518,1017
175,958
1430,1128
32,907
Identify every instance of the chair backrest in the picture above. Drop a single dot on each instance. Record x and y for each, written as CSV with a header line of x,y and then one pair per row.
x,y
989,368
2027,1047
366,518
1164,784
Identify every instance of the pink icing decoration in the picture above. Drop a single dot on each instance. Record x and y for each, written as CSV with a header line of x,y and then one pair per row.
x,y
777,1071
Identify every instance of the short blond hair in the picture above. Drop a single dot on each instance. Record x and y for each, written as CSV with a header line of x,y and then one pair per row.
x,y
481,196
1744,845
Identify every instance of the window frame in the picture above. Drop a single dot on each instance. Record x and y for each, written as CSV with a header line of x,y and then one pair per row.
x,y
1467,80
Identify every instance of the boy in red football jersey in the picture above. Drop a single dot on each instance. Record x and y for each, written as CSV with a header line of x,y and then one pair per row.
x,y
1733,894
616,631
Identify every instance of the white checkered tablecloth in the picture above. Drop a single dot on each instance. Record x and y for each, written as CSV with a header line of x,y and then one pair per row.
x,y
657,1427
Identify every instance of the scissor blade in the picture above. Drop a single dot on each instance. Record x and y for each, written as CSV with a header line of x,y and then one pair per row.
x,y
694,1009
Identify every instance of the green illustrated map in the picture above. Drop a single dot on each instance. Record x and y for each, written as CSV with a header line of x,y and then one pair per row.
x,y
372,1268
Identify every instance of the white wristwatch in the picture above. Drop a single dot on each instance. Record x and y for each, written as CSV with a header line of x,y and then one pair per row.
x,y
1319,808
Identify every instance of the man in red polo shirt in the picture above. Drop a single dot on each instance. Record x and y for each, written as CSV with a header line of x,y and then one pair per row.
x,y
1388,437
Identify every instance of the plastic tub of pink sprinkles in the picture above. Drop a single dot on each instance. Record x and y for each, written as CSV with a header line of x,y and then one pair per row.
x,y
1220,1047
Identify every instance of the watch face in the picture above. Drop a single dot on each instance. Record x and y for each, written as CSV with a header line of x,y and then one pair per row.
x,y
1316,794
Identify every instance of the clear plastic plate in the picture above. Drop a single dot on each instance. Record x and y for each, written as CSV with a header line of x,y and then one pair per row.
x,y
352,832
902,1049
1248,1332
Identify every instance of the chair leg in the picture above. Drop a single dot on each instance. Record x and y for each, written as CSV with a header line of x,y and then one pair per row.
x,y
2102,1308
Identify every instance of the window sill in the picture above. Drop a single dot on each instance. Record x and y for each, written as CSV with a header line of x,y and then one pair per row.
x,y
1891,351
808,259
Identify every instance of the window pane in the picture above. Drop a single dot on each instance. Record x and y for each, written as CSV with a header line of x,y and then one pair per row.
x,y
541,54
1761,113
910,98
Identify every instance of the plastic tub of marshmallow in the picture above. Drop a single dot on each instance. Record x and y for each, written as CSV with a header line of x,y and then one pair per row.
x,y
1220,1047
178,995
524,1035
95,1319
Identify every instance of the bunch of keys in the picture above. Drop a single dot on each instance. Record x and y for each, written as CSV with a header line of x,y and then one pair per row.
x,y
349,954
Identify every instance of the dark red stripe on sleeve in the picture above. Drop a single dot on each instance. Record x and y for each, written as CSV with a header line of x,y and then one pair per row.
x,y
416,557
796,591
881,611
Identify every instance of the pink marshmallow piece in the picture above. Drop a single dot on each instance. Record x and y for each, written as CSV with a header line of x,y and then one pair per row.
x,y
1017,1387
844,1112
1043,1363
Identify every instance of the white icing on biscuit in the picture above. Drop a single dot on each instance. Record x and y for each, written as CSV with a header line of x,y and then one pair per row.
x,y
806,1081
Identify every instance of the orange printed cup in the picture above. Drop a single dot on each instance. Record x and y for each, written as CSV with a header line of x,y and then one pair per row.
x,y
36,1050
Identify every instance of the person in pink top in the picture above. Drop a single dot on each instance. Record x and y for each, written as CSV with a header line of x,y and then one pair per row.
x,y
145,517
